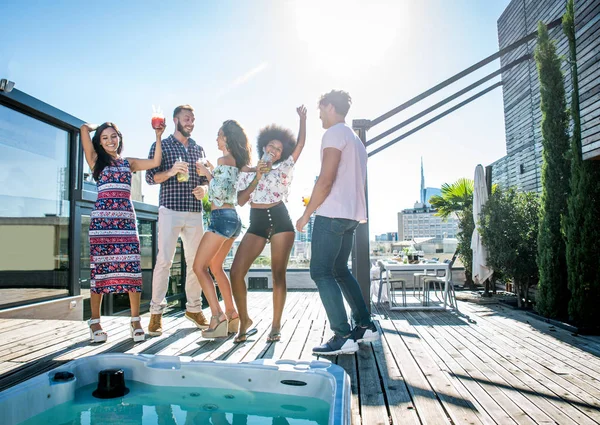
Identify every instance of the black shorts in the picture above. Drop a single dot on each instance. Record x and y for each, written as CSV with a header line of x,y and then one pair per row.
x,y
270,221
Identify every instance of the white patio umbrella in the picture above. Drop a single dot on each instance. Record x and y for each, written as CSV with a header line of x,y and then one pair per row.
x,y
481,271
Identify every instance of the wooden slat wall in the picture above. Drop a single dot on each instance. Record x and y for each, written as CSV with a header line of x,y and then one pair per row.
x,y
521,167
588,63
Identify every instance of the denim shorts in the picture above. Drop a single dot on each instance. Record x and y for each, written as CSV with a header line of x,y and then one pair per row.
x,y
225,222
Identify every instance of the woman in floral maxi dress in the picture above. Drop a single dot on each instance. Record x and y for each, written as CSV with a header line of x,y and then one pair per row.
x,y
114,241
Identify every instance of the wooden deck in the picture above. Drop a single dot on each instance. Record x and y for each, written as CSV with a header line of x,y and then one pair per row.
x,y
499,366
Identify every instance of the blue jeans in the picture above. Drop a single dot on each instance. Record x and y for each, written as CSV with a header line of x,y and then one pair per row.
x,y
332,240
225,222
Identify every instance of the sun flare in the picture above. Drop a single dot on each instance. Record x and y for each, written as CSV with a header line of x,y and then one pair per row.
x,y
345,38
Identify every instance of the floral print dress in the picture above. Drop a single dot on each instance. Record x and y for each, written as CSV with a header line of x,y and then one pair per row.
x,y
114,240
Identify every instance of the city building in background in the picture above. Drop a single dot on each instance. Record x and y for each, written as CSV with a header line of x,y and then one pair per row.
x,y
387,237
421,221
427,192
421,227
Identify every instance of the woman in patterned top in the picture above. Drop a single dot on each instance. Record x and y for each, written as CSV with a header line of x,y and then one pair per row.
x,y
225,225
114,241
267,190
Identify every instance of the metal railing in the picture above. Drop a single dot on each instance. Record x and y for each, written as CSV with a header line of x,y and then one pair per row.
x,y
360,255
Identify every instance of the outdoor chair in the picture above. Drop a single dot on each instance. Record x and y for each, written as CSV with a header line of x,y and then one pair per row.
x,y
394,283
421,275
439,278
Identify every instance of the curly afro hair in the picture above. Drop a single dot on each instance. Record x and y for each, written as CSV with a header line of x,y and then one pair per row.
x,y
275,132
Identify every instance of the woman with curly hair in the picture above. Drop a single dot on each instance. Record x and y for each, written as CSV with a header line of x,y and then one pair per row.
x,y
225,225
114,241
267,190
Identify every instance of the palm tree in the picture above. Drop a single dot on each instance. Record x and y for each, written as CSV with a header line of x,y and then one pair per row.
x,y
457,198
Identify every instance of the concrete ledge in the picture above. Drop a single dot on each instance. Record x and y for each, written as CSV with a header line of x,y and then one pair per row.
x,y
295,279
68,308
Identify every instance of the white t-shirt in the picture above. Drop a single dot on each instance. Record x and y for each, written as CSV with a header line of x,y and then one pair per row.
x,y
347,196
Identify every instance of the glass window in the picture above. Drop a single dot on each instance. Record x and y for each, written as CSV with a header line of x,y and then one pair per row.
x,y
34,209
84,264
146,230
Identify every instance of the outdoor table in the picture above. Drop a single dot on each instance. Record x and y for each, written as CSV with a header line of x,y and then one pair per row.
x,y
394,266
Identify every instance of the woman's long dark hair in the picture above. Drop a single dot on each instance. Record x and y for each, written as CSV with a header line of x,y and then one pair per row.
x,y
104,159
237,142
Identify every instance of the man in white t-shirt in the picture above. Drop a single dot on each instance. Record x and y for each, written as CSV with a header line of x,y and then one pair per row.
x,y
340,204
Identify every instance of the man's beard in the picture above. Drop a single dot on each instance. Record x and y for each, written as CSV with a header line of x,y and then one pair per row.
x,y
182,130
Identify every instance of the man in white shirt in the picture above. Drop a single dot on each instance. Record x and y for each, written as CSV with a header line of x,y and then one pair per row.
x,y
340,204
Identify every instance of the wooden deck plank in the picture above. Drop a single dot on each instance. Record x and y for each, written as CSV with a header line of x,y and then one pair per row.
x,y
65,343
428,368
584,347
493,384
315,325
348,363
498,388
293,350
528,369
555,352
262,313
373,404
35,337
402,343
34,330
8,366
579,371
206,347
315,336
522,383
458,367
561,371
581,349
8,324
456,399
402,409
290,345
463,402
257,346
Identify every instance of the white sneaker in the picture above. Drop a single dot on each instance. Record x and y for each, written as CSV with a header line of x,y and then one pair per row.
x,y
367,334
337,345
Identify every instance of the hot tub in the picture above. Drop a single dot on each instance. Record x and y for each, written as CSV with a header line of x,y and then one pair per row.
x,y
178,390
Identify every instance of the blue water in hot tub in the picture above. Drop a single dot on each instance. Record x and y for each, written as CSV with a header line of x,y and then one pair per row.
x,y
156,405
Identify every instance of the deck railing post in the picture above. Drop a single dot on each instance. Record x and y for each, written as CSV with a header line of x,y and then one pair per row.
x,y
361,260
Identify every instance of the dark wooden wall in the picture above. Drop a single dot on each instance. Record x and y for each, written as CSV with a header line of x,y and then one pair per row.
x,y
521,167
587,29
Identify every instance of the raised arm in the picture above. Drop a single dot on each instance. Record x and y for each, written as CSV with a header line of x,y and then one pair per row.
x,y
327,176
301,133
138,164
86,143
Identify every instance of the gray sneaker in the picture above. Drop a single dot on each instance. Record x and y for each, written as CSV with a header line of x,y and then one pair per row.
x,y
337,345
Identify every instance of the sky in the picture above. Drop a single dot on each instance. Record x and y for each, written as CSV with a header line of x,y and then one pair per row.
x,y
255,62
